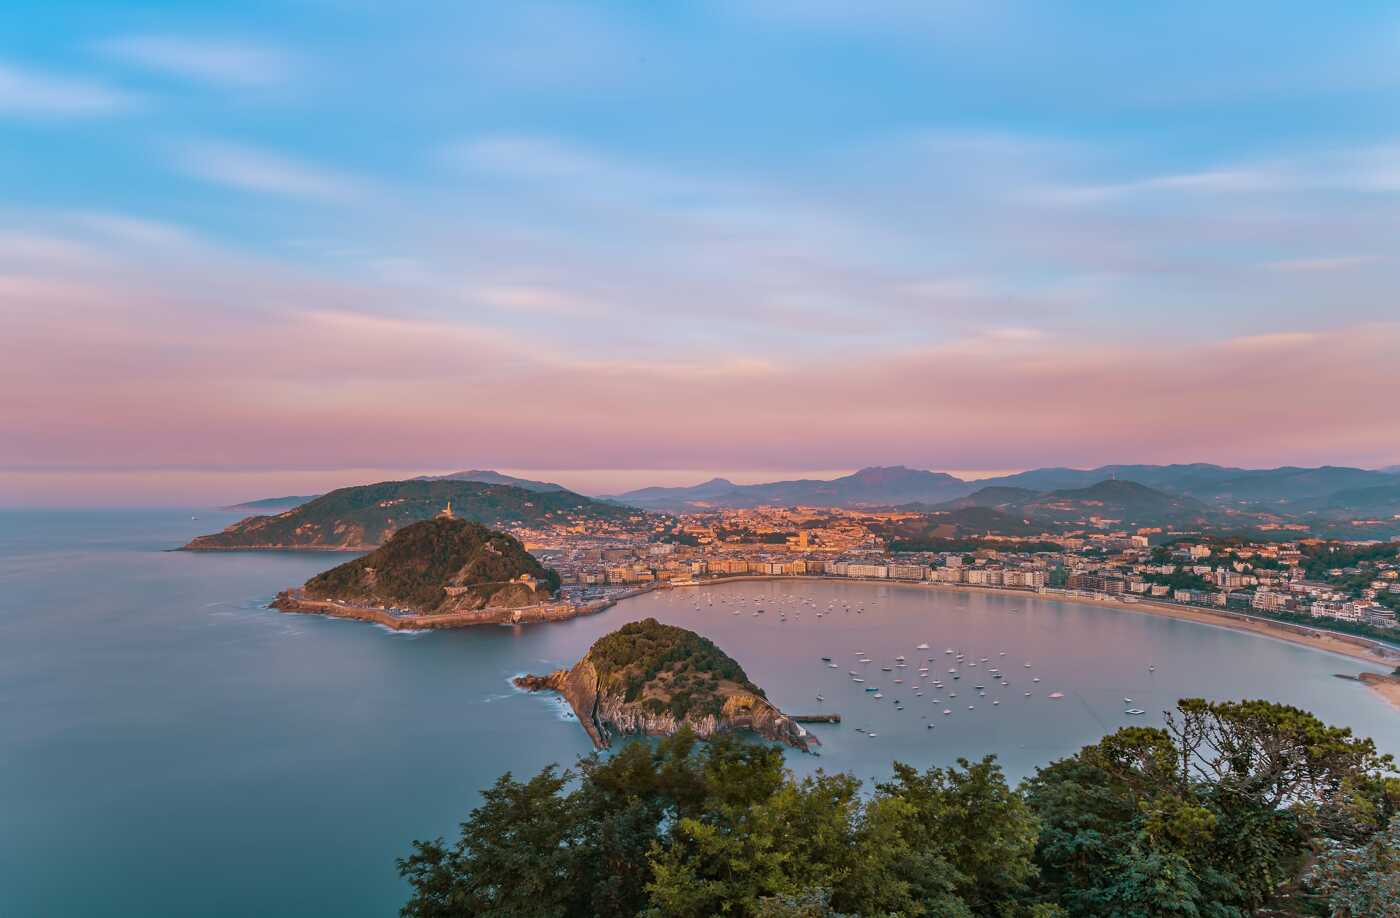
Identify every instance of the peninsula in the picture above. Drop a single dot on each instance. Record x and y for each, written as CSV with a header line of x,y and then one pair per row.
x,y
650,679
366,516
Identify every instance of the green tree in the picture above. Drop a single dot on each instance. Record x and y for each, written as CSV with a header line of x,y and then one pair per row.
x,y
1361,882
514,857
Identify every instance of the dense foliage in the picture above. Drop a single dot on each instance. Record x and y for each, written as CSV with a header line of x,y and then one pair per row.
x,y
414,566
678,669
1216,816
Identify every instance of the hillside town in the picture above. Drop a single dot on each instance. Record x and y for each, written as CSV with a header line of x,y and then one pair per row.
x,y
1354,585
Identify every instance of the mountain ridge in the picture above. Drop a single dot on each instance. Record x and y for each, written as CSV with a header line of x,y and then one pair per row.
x,y
363,517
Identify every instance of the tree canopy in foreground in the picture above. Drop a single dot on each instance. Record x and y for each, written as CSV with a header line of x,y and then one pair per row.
x,y
1235,809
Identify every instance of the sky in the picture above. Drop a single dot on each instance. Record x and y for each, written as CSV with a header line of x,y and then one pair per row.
x,y
260,248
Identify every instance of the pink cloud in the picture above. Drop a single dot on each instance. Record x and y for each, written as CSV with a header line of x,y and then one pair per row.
x,y
103,378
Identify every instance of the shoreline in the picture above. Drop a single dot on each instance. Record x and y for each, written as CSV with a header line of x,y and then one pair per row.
x,y
1355,647
1388,687
293,602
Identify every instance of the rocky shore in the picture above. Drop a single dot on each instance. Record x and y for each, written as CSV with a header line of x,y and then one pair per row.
x,y
297,601
602,708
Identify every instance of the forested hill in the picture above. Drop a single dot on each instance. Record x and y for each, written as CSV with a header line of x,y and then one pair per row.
x,y
366,516
651,679
439,565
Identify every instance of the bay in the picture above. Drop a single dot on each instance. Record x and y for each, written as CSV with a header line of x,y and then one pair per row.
x,y
169,746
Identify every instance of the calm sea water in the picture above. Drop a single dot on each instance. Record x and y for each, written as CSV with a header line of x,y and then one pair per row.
x,y
169,747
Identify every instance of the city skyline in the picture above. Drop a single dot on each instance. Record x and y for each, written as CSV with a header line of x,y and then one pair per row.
x,y
751,240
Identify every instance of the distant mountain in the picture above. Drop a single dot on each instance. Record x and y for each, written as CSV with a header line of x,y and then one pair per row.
x,y
270,504
1382,500
489,477
438,566
1128,502
278,504
1222,484
364,517
1390,470
869,487
659,497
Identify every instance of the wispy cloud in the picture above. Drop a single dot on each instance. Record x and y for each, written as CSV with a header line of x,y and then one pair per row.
x,y
254,169
1333,263
45,95
218,61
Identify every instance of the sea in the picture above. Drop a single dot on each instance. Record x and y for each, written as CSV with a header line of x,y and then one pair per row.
x,y
169,746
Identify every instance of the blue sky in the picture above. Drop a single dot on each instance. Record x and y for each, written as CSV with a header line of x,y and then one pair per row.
x,y
615,210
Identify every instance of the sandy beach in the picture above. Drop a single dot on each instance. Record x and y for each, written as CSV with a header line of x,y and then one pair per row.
x,y
1388,687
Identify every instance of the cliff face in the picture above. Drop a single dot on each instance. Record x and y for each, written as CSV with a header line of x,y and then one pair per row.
x,y
602,707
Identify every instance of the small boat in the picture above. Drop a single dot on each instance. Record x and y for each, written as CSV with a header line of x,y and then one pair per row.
x,y
878,695
921,647
831,666
857,679
1127,701
969,707
1036,679
1135,711
826,659
946,712
886,669
820,698
872,734
871,688
996,702
1057,694
1028,694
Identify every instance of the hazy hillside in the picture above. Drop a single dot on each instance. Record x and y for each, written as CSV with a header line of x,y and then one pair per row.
x,y
489,477
366,516
270,504
1277,487
869,487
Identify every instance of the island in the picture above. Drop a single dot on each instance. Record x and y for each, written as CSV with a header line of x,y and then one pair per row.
x,y
443,572
650,679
